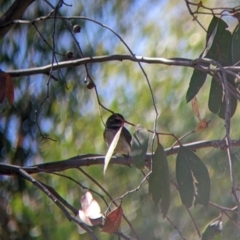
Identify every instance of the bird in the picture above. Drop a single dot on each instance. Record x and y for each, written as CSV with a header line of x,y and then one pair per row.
x,y
113,124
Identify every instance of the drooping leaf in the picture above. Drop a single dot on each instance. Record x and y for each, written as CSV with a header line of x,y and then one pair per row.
x,y
203,124
217,100
223,50
139,146
195,108
211,34
233,107
111,149
159,181
198,77
196,82
215,97
9,89
213,231
220,47
165,181
184,179
113,220
233,102
2,88
235,43
192,178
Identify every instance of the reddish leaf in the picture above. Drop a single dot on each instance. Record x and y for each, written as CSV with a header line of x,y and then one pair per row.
x,y
195,108
9,89
2,88
202,125
113,220
6,87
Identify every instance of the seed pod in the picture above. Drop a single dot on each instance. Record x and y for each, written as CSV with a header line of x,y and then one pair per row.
x,y
90,84
69,55
76,29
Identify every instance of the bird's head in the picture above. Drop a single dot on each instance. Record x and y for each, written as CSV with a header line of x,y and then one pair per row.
x,y
115,121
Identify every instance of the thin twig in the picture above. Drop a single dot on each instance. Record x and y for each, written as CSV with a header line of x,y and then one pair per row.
x,y
193,221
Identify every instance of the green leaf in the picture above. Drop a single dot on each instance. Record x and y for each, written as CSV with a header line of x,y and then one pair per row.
x,y
233,107
211,33
139,146
215,97
217,100
111,149
184,179
235,43
192,178
198,78
219,50
225,50
159,181
196,82
213,231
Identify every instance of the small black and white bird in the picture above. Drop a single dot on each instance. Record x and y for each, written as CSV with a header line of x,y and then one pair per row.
x,y
113,124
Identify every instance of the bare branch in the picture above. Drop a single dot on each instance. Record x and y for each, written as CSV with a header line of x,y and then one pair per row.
x,y
98,159
184,62
14,12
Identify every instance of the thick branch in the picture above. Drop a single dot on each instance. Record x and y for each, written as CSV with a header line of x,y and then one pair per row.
x,y
96,159
14,12
196,63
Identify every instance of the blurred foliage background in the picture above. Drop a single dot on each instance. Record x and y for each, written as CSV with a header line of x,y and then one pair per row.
x,y
70,115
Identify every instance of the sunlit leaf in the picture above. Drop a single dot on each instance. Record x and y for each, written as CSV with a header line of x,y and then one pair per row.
x,y
111,149
159,182
139,146
192,178
90,213
213,231
113,220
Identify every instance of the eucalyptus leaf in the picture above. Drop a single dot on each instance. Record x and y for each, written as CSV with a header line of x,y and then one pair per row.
x,y
196,82
192,178
220,47
111,150
139,146
225,50
235,43
184,179
159,181
215,97
233,107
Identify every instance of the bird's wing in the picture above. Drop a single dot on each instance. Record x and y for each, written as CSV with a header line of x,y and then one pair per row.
x,y
127,135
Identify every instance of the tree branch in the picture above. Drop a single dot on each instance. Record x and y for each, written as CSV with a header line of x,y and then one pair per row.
x,y
98,159
14,12
184,62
